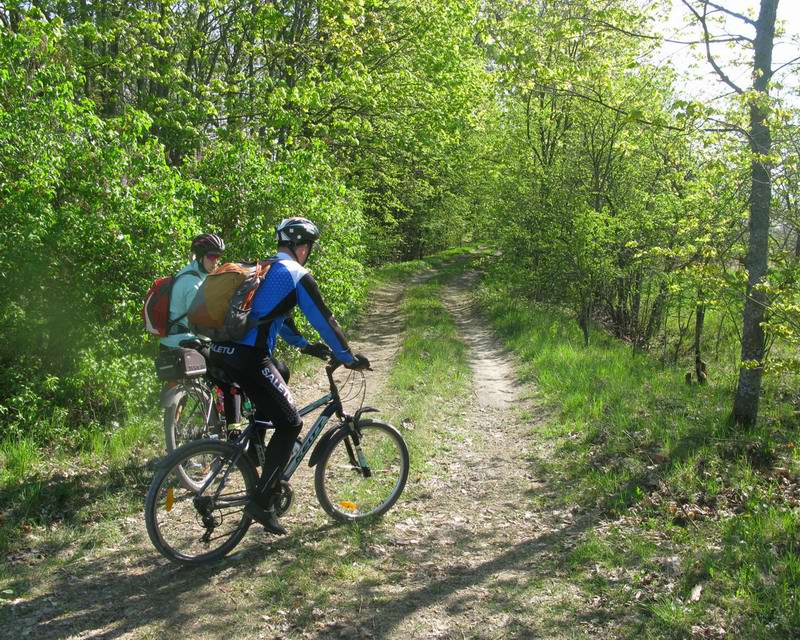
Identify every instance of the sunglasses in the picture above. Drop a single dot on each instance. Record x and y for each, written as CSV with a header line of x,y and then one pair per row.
x,y
213,256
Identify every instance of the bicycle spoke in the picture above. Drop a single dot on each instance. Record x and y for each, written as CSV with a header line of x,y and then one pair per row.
x,y
358,481
189,524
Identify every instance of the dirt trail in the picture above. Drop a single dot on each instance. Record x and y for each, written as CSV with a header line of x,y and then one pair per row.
x,y
478,554
486,558
495,382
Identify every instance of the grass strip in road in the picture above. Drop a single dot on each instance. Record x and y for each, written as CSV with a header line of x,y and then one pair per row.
x,y
698,526
431,377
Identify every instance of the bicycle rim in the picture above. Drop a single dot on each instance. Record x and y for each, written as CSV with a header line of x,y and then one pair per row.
x,y
199,525
189,418
345,491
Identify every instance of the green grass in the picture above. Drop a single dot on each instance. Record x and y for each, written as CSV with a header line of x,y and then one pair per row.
x,y
431,375
660,464
396,272
17,459
61,494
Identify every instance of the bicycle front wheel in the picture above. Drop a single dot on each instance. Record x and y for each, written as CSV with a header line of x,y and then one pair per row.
x,y
190,415
362,476
193,526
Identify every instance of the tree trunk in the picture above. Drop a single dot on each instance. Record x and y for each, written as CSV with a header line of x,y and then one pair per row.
x,y
699,320
745,405
656,314
585,319
797,245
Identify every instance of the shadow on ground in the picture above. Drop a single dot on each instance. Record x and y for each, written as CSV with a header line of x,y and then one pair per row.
x,y
527,564
113,596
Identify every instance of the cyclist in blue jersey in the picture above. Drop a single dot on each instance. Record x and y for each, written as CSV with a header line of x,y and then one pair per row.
x,y
249,361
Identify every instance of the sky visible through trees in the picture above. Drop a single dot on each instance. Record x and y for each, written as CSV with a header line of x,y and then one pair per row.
x,y
677,24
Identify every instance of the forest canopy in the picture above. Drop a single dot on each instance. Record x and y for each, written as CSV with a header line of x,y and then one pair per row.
x,y
538,128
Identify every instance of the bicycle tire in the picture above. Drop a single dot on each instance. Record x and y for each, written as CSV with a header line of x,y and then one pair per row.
x,y
240,481
185,419
343,491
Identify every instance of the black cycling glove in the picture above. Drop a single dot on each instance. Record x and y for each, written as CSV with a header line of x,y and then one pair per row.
x,y
360,361
317,350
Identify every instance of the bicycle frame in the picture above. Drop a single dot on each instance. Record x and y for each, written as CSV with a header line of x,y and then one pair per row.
x,y
334,407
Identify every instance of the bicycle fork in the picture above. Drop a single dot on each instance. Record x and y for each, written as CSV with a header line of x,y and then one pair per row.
x,y
356,453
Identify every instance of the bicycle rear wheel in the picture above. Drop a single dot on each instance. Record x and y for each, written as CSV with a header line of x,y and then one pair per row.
x,y
356,480
190,415
193,526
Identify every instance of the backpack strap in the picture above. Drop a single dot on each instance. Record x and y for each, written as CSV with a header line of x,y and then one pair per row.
x,y
171,323
263,323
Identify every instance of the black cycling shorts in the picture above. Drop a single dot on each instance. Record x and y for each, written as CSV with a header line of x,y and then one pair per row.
x,y
255,372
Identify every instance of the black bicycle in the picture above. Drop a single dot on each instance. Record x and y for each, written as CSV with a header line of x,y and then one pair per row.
x,y
361,470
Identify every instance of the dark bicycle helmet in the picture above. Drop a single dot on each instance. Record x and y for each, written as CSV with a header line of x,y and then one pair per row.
x,y
294,231
207,243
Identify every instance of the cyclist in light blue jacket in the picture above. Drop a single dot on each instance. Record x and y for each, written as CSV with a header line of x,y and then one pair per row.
x,y
207,248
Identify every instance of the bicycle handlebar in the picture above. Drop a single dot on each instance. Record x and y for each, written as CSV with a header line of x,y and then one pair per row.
x,y
334,364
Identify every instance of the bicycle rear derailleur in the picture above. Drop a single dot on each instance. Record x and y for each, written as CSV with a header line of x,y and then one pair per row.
x,y
204,508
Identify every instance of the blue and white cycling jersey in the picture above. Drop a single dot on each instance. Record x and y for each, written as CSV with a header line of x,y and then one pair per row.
x,y
289,284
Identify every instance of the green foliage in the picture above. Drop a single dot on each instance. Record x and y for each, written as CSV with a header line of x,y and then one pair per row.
x,y
125,129
91,210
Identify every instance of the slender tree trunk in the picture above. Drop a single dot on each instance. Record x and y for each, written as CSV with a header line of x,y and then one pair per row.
x,y
585,318
656,313
699,321
797,245
745,405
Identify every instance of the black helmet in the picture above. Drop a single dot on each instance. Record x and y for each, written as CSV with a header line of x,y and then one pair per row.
x,y
207,243
294,231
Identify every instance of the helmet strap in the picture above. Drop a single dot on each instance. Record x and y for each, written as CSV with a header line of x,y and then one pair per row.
x,y
201,262
292,247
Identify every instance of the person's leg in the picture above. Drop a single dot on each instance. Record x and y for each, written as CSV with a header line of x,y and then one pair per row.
x,y
259,379
274,402
233,405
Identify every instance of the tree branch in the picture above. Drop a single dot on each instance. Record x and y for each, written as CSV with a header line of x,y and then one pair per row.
x,y
647,36
733,14
707,38
784,65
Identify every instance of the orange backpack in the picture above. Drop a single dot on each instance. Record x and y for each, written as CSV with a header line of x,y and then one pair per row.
x,y
221,308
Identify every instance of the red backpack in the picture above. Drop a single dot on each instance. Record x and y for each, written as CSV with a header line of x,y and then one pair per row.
x,y
155,311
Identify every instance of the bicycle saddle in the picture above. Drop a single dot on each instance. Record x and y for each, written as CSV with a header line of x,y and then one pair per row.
x,y
191,343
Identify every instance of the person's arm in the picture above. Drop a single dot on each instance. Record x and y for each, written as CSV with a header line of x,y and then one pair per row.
x,y
290,333
314,308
